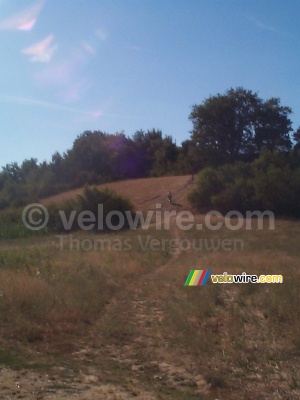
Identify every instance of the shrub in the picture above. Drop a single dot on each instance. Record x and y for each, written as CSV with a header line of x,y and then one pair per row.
x,y
11,225
268,183
209,184
90,201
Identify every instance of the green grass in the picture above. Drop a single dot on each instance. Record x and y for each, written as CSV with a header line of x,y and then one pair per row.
x,y
16,231
17,361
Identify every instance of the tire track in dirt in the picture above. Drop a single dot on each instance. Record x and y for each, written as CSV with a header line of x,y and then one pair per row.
x,y
148,352
144,356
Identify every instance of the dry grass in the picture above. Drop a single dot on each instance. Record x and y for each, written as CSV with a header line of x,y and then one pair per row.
x,y
144,193
47,284
236,330
131,306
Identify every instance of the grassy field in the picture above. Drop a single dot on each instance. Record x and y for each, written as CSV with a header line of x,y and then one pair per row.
x,y
108,316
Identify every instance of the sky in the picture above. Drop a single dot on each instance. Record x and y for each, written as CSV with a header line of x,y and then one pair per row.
x,y
124,65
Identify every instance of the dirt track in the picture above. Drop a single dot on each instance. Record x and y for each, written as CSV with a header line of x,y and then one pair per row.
x,y
142,310
139,361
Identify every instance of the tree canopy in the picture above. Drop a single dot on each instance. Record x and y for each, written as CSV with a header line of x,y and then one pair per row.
x,y
238,125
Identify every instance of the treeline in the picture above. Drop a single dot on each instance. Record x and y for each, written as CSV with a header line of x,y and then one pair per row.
x,y
237,126
271,182
95,157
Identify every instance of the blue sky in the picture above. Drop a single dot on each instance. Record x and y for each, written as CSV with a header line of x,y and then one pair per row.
x,y
124,65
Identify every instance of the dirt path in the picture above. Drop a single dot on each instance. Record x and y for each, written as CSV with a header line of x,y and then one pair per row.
x,y
127,353
115,368
144,351
147,352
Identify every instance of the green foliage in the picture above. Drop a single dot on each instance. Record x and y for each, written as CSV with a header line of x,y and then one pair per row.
x,y
89,202
96,157
230,127
208,184
238,126
67,207
238,192
11,226
165,158
296,137
268,183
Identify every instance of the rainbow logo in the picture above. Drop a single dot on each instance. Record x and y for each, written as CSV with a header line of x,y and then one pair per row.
x,y
197,277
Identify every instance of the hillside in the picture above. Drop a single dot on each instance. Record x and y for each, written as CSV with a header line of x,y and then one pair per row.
x,y
144,193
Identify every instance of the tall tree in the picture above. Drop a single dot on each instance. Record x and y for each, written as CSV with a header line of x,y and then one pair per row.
x,y
238,125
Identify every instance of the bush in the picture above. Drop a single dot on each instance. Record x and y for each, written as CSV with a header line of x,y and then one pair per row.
x,y
268,183
209,184
90,201
11,225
